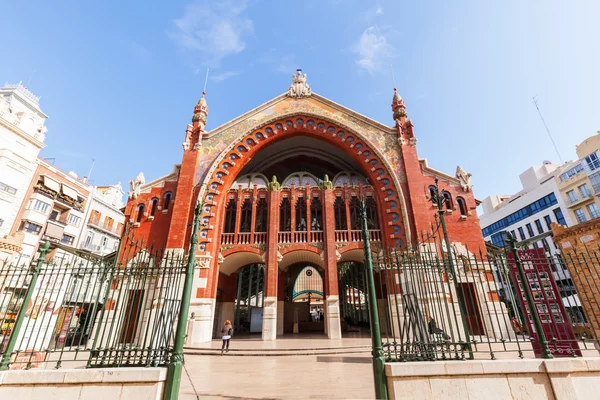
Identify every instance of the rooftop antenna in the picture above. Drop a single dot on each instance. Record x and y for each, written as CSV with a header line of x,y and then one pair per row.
x,y
205,81
91,168
393,78
547,130
30,76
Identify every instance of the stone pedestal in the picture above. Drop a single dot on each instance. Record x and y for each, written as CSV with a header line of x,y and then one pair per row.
x,y
202,324
269,328
332,318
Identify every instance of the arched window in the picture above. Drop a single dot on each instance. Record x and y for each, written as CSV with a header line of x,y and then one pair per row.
x,y
285,213
339,210
246,221
153,206
354,207
308,283
167,201
462,205
140,212
316,215
301,214
372,221
432,191
261,216
230,212
447,200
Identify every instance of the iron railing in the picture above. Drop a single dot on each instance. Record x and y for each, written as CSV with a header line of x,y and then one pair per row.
x,y
444,305
91,312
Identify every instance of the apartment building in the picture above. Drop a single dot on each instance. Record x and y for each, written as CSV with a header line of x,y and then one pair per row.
x,y
22,134
105,220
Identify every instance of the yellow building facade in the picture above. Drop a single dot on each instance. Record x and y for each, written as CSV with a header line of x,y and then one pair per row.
x,y
579,181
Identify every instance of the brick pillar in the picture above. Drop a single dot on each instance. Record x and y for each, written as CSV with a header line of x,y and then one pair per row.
x,y
269,328
332,309
184,200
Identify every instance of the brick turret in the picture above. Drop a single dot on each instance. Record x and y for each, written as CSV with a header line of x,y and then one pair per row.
x,y
184,201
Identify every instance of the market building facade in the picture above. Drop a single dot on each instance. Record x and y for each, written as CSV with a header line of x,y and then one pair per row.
x,y
280,188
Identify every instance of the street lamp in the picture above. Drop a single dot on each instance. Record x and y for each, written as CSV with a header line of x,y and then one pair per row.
x,y
377,346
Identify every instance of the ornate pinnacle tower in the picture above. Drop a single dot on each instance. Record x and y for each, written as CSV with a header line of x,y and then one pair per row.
x,y
398,107
200,113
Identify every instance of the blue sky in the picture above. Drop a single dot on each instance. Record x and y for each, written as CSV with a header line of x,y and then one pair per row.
x,y
119,80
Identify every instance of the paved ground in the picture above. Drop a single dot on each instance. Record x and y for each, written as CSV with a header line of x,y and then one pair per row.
x,y
284,377
286,342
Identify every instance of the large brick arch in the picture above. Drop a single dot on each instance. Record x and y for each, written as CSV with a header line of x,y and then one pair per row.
x,y
226,167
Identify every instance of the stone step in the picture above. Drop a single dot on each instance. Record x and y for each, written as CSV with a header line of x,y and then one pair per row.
x,y
280,352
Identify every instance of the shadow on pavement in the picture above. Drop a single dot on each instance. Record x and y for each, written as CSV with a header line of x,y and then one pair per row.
x,y
336,359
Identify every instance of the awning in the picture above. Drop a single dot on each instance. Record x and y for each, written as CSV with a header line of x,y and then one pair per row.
x,y
51,184
54,230
571,301
69,191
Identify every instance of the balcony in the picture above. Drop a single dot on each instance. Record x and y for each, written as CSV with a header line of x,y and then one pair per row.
x,y
572,202
61,198
345,236
113,230
581,218
356,236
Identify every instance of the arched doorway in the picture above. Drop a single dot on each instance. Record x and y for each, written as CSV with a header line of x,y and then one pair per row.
x,y
240,299
296,185
303,300
354,308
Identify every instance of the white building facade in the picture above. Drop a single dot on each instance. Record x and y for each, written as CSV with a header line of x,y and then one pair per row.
x,y
104,220
22,134
529,213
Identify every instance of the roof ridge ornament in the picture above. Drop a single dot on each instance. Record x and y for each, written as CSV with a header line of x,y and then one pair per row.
x,y
299,88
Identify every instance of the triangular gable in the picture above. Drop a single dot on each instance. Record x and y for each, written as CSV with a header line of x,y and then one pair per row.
x,y
283,104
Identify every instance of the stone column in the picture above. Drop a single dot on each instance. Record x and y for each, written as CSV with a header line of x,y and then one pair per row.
x,y
332,304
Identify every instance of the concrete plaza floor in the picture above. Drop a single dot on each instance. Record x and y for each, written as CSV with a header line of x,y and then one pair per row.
x,y
336,376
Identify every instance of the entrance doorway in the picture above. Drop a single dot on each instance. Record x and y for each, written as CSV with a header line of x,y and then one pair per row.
x,y
354,310
468,296
247,312
303,306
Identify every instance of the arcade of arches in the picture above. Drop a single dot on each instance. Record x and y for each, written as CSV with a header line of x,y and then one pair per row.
x,y
313,209
280,248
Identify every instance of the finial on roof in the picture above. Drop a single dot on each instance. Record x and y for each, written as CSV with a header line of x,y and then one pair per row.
x,y
201,112
398,106
299,88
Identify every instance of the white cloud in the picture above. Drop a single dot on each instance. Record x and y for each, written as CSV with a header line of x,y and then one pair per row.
x,y
213,30
371,14
223,76
373,51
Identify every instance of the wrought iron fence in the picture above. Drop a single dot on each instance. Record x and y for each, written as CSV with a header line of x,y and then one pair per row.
x,y
441,303
91,312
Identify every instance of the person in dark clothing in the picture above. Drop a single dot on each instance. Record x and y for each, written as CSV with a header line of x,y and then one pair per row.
x,y
434,331
226,333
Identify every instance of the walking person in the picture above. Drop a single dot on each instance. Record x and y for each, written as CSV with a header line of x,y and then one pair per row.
x,y
226,333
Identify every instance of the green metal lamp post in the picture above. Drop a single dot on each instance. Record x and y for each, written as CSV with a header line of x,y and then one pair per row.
x,y
438,200
176,365
377,352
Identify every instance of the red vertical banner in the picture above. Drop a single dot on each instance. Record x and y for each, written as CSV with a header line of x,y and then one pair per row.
x,y
547,303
